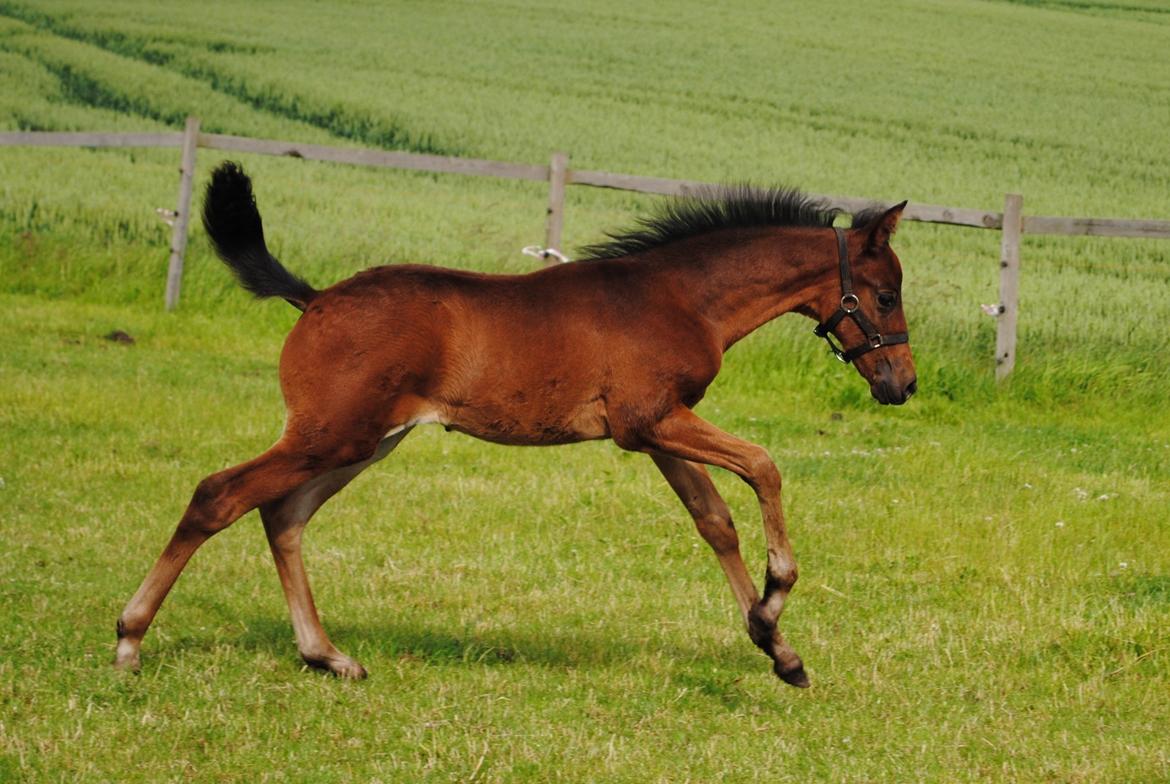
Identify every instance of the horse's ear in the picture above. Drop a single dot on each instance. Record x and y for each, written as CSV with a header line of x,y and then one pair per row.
x,y
883,227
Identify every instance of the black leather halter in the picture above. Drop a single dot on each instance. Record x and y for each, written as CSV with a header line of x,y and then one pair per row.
x,y
851,306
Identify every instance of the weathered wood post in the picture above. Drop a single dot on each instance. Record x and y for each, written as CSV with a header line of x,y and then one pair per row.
x,y
179,229
558,174
1009,285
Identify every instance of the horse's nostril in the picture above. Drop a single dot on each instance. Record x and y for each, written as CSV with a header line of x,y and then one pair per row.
x,y
912,387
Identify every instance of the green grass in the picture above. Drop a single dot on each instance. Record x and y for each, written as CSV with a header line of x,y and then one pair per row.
x,y
984,592
985,573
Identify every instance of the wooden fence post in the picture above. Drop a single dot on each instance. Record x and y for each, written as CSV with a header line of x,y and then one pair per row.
x,y
558,174
1009,286
179,232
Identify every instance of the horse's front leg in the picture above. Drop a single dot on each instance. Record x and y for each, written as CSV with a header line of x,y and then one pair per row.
x,y
693,485
682,434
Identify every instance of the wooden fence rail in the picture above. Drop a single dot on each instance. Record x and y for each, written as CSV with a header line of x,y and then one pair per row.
x,y
1011,222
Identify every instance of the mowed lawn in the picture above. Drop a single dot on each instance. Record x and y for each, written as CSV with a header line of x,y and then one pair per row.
x,y
985,572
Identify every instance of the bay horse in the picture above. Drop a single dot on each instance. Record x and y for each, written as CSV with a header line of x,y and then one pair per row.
x,y
620,345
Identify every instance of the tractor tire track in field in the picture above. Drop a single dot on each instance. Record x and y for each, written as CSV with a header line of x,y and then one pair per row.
x,y
80,87
1117,10
83,88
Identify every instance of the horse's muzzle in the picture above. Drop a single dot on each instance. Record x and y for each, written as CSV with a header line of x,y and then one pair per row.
x,y
888,393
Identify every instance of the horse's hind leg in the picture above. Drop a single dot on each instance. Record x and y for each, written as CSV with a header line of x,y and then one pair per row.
x,y
284,522
694,487
218,501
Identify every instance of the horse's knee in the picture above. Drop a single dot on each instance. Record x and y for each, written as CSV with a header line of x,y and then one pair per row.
x,y
765,477
718,531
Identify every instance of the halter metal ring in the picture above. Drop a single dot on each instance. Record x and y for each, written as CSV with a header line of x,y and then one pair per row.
x,y
876,341
850,303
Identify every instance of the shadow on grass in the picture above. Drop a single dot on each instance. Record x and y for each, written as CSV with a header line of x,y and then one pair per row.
x,y
714,670
442,645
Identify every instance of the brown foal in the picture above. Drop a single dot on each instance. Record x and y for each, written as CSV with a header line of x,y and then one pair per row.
x,y
621,345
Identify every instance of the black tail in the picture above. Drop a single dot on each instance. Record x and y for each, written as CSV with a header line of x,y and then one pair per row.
x,y
233,224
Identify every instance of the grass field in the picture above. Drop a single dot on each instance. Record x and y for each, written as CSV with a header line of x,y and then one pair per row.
x,y
985,573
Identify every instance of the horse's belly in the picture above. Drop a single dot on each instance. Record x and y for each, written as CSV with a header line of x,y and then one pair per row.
x,y
532,424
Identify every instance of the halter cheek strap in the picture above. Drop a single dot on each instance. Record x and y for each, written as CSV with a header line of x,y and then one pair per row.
x,y
851,306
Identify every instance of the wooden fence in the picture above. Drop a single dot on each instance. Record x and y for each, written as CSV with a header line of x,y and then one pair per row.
x,y
1012,223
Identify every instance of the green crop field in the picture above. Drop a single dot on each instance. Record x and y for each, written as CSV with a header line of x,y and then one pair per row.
x,y
985,572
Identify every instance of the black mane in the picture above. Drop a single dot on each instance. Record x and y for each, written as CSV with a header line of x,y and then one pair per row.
x,y
731,207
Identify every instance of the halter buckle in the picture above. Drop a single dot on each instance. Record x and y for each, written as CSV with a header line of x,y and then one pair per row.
x,y
837,351
850,303
875,341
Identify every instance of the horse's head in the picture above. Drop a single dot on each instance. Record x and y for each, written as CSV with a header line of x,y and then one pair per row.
x,y
862,306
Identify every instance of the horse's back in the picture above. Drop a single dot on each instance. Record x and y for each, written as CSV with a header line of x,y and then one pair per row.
x,y
592,301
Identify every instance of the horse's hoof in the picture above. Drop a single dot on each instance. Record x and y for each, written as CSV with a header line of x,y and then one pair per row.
x,y
350,670
793,677
126,658
128,665
341,666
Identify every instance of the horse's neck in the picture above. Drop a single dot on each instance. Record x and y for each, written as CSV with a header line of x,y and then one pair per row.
x,y
739,286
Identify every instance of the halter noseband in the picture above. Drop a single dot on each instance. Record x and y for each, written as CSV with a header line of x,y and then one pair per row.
x,y
851,306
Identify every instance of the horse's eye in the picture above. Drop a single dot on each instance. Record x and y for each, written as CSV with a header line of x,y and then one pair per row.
x,y
887,299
